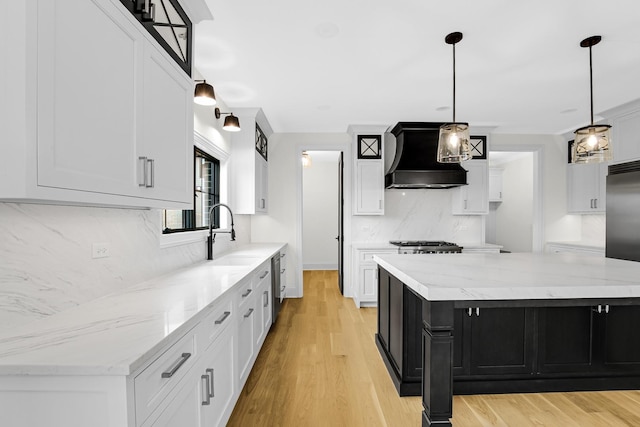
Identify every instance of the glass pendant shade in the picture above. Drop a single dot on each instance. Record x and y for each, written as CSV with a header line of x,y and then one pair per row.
x,y
204,94
231,123
453,144
592,145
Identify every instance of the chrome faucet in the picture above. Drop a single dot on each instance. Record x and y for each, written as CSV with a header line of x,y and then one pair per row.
x,y
212,237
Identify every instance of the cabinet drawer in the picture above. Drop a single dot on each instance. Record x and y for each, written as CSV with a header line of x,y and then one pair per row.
x,y
244,293
153,384
262,275
367,256
217,321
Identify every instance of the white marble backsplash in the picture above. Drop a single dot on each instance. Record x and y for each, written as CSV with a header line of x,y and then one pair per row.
x,y
594,229
46,263
418,214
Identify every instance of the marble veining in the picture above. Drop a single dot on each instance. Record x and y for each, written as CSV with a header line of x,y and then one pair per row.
x,y
45,256
417,214
443,277
121,332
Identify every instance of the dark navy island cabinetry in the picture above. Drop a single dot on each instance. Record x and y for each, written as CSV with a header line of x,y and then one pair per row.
x,y
444,347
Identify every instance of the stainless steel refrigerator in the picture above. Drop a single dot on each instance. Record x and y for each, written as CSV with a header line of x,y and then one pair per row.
x,y
623,211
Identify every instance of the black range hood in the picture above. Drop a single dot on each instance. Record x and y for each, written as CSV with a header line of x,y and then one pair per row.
x,y
416,165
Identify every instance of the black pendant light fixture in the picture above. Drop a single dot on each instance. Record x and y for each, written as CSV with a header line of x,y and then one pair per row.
x,y
204,94
592,144
453,144
231,122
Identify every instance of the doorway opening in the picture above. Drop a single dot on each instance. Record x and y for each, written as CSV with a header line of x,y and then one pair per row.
x,y
323,212
515,199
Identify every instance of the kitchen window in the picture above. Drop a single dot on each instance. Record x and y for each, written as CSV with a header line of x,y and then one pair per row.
x,y
206,194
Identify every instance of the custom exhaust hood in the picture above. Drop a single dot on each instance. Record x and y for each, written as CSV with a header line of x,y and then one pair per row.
x,y
416,165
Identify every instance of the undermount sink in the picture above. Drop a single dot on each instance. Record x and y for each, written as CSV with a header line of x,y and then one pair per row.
x,y
235,261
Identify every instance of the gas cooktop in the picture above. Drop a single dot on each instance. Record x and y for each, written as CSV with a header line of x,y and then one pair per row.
x,y
420,243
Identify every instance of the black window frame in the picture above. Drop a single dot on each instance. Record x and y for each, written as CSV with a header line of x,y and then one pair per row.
x,y
189,215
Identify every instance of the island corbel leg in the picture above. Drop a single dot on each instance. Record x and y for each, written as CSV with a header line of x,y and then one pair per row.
x,y
437,367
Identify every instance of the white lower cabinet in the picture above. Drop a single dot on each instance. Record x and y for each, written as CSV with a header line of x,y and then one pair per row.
x,y
193,380
366,283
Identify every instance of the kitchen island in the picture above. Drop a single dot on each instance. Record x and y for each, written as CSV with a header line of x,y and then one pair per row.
x,y
506,323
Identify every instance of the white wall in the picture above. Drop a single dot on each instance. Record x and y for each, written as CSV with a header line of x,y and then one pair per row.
x,y
514,216
320,213
45,250
558,226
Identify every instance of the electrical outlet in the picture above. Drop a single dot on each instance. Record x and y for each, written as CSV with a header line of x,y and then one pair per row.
x,y
100,250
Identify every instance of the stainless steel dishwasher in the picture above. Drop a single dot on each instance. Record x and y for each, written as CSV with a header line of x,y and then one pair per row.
x,y
275,286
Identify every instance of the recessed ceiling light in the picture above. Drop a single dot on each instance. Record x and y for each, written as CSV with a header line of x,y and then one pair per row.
x,y
569,110
327,30
443,108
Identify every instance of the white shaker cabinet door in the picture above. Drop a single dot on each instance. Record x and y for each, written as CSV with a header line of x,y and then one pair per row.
x,y
165,154
369,188
86,96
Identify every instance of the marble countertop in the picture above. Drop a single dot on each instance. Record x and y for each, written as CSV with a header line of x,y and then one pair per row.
x,y
514,276
121,332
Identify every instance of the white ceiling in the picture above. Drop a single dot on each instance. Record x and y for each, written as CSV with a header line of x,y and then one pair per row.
x,y
318,66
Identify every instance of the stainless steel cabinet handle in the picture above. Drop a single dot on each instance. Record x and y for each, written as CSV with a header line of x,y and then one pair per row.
x,y
207,393
465,204
282,255
264,275
222,318
478,311
599,309
282,271
262,203
142,172
379,204
606,308
469,311
212,391
246,294
152,172
595,203
266,298
178,363
248,313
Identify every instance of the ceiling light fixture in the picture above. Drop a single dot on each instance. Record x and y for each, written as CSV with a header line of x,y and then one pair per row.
x,y
592,144
231,122
306,160
453,144
204,94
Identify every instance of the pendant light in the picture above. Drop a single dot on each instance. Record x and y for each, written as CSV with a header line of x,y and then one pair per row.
x,y
231,122
204,94
592,144
453,144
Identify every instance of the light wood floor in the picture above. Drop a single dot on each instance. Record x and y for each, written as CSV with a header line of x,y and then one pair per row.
x,y
319,366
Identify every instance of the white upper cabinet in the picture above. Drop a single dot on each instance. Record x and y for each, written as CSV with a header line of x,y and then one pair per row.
x,y
586,188
368,166
625,130
495,185
473,198
99,114
249,163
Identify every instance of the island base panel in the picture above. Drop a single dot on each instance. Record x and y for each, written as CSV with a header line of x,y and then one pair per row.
x,y
403,386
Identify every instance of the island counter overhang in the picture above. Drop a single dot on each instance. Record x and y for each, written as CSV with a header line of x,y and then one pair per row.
x,y
522,322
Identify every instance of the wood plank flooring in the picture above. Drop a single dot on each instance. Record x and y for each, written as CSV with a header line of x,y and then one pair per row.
x,y
319,366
